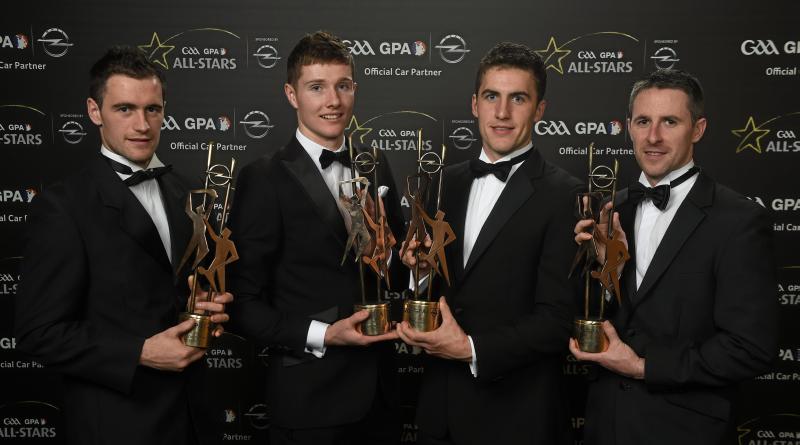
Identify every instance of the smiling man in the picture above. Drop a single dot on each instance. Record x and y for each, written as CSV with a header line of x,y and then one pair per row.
x,y
698,312
100,297
494,368
324,384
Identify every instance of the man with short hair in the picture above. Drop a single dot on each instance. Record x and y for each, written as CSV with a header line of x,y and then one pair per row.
x,y
325,384
494,368
698,312
100,297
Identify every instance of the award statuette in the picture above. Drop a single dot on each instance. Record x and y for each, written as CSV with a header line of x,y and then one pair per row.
x,y
367,230
422,313
588,331
217,176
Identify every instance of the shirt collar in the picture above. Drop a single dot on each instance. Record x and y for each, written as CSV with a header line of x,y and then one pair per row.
x,y
671,176
512,155
154,161
312,148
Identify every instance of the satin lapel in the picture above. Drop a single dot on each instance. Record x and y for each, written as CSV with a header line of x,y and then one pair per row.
x,y
174,196
518,190
627,219
686,220
458,183
133,218
302,167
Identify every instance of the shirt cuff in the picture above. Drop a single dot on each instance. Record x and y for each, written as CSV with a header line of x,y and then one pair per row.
x,y
473,365
315,340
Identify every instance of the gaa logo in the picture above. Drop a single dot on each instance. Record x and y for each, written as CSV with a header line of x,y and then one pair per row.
x,y
759,48
359,47
551,128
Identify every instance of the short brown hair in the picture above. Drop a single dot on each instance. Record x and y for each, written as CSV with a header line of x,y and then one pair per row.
x,y
127,61
514,55
317,47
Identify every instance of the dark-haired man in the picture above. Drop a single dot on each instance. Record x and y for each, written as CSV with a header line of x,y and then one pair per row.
x,y
494,374
698,311
100,298
324,384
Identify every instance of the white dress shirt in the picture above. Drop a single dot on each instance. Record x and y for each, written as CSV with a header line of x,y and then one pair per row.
x,y
483,195
315,340
149,194
651,223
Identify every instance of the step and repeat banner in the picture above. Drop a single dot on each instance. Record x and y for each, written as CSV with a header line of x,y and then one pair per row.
x,y
415,67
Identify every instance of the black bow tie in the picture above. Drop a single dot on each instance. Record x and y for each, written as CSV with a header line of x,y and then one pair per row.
x,y
138,176
659,194
329,157
500,170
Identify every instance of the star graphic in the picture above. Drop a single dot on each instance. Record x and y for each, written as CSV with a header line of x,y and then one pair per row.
x,y
553,50
749,133
354,127
154,47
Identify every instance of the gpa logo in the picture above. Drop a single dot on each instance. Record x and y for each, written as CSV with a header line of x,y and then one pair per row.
x,y
560,128
452,48
8,342
19,41
267,56
72,132
665,58
220,123
768,47
416,48
191,54
21,195
55,42
256,124
462,138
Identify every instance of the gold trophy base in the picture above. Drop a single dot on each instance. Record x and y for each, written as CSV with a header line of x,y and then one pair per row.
x,y
589,335
378,321
200,335
422,315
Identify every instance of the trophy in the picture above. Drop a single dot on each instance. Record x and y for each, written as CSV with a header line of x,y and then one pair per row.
x,y
588,331
217,176
367,230
422,312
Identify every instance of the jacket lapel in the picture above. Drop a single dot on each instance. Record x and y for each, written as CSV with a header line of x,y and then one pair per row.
x,y
459,181
686,220
518,190
133,218
302,167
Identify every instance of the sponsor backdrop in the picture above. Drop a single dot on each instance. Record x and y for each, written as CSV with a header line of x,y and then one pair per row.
x,y
416,64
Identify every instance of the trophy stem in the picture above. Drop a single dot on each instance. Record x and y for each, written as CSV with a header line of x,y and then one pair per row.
x,y
361,280
586,295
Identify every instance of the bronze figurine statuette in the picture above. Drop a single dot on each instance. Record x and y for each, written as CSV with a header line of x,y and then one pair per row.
x,y
216,176
588,329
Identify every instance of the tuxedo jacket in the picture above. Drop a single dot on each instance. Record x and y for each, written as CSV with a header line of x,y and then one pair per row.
x,y
703,318
290,236
98,282
514,299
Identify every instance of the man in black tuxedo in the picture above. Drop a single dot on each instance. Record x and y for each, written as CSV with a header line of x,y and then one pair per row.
x,y
698,312
494,373
293,293
100,297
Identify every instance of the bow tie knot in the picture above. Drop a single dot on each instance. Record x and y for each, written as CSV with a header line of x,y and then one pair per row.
x,y
138,176
329,157
500,170
658,194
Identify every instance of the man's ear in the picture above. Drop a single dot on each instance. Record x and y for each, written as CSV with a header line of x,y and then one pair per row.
x,y
93,110
291,94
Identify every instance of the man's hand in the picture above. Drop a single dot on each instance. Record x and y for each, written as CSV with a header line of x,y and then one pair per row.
x,y
582,235
448,341
345,332
411,261
619,357
216,307
165,351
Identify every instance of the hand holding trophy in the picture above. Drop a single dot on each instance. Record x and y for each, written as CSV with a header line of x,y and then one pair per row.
x,y
217,176
603,255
